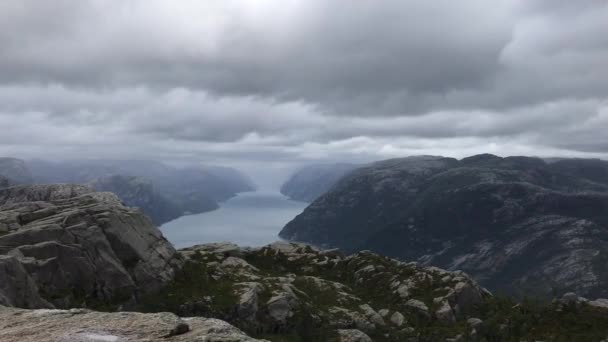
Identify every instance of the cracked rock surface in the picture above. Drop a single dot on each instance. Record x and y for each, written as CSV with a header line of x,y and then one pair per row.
x,y
78,325
65,246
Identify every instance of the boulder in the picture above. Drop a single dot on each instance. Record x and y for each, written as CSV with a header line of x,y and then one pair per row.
x,y
281,307
475,323
248,302
466,297
352,335
371,315
419,307
397,319
599,303
445,314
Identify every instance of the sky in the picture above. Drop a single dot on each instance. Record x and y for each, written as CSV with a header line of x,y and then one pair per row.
x,y
261,84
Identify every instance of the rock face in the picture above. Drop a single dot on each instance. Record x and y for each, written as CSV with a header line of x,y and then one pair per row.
x,y
66,246
78,325
297,289
310,182
141,193
516,224
15,170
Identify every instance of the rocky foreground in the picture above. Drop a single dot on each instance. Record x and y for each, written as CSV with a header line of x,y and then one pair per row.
x,y
65,246
294,292
79,325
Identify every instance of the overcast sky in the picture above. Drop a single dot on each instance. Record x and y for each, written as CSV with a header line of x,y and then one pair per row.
x,y
260,83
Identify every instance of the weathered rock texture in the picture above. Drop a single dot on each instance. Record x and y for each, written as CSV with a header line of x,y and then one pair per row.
x,y
67,246
296,289
516,224
78,325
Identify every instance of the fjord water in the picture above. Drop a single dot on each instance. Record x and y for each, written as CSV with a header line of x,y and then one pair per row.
x,y
249,219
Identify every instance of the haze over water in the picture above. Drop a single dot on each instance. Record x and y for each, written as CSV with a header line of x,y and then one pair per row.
x,y
250,219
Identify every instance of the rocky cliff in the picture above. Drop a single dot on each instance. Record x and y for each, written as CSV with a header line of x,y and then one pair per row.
x,y
295,292
310,182
516,224
67,246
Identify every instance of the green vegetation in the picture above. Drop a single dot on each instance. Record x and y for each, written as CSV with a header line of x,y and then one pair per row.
x,y
329,289
194,292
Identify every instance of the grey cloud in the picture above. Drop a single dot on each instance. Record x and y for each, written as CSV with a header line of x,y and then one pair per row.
x,y
303,80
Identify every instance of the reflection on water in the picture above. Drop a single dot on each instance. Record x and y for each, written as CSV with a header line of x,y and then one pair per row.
x,y
250,219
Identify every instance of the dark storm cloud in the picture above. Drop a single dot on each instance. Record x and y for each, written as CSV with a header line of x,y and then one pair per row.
x,y
303,80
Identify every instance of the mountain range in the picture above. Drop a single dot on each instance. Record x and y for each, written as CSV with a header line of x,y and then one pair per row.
x,y
66,250
518,225
161,191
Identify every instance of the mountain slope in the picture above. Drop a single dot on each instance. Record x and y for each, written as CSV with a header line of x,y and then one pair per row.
x,y
514,223
15,170
169,180
312,181
4,182
140,193
162,192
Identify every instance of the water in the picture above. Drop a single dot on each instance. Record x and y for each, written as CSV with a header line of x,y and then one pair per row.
x,y
250,219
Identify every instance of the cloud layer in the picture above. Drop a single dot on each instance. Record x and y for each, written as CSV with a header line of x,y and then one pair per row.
x,y
243,82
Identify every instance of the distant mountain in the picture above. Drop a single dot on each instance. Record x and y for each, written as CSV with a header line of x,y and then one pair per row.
x,y
516,224
161,191
312,181
235,180
211,182
4,182
15,170
140,192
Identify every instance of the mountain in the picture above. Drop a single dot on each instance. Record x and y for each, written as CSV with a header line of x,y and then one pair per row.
x,y
218,184
516,224
68,247
65,246
312,181
15,170
162,192
139,192
4,182
235,180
